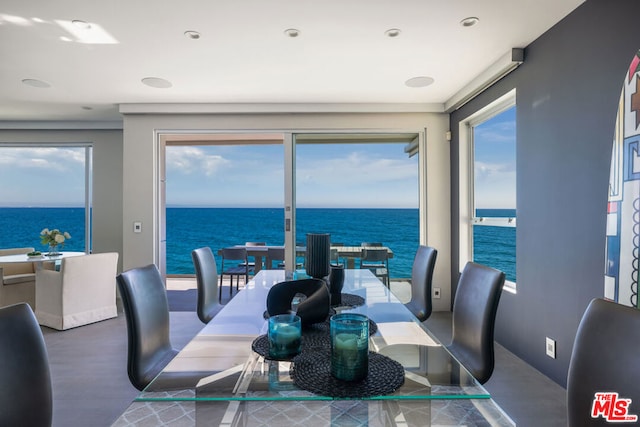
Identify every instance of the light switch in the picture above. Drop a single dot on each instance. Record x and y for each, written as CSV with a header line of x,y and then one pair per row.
x,y
137,227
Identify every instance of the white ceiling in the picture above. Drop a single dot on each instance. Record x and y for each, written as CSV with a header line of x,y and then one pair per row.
x,y
243,56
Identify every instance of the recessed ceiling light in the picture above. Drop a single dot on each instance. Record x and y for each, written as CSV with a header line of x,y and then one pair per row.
x,y
420,81
81,24
469,22
194,35
36,83
292,32
156,82
392,32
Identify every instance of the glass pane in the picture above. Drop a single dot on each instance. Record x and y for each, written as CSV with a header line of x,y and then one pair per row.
x,y
360,193
28,204
222,195
495,192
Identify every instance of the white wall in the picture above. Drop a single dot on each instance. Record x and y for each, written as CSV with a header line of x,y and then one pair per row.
x,y
140,168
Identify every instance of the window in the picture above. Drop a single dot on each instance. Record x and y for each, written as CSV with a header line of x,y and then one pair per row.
x,y
48,186
488,211
221,193
360,191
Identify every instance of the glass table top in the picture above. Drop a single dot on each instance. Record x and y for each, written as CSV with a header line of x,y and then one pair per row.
x,y
220,364
217,377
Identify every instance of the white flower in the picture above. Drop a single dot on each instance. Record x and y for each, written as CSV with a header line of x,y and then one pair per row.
x,y
53,237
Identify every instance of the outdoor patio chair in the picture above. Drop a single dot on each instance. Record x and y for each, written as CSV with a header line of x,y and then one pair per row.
x,y
234,264
376,260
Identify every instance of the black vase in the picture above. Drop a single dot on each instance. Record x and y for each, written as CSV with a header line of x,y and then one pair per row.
x,y
336,282
318,255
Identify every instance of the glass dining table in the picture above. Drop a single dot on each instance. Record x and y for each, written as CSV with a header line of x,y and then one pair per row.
x,y
222,377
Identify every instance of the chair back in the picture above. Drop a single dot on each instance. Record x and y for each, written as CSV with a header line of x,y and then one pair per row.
x,y
255,243
25,376
274,255
89,281
13,268
424,263
604,359
207,279
374,255
474,314
234,254
145,304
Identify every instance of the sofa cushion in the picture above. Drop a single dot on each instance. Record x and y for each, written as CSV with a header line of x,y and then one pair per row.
x,y
19,278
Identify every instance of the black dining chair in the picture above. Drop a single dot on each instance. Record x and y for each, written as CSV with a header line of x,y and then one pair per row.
x,y
424,263
26,395
206,270
144,299
237,265
604,360
474,314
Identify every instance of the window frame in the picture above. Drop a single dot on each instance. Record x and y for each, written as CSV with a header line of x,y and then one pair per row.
x,y
467,218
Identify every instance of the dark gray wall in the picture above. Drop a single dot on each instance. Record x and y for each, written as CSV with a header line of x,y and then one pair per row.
x,y
567,94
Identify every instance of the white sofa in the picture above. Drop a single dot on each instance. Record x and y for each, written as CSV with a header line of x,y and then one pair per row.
x,y
82,292
18,279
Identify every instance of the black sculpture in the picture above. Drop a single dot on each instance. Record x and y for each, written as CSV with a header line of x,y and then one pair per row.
x,y
314,309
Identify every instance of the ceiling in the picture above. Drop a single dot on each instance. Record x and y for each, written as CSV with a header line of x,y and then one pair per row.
x,y
244,57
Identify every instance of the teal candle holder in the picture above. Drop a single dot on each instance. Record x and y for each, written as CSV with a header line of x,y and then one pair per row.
x,y
285,336
349,346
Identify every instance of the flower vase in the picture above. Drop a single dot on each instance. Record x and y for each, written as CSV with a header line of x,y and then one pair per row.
x,y
53,250
318,255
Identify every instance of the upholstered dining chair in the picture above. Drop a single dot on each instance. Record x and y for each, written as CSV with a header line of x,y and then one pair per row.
x,y
424,263
237,257
82,292
204,264
604,360
17,280
376,260
474,313
25,395
144,299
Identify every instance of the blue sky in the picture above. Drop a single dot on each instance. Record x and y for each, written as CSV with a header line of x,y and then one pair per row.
x,y
328,175
495,154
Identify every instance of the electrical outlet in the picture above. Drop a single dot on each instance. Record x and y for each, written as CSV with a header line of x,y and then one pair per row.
x,y
436,293
551,348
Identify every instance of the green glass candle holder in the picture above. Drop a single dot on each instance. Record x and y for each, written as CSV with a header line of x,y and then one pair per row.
x,y
285,336
349,346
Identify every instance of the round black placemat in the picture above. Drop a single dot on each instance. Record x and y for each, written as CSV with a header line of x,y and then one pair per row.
x,y
311,371
310,341
350,300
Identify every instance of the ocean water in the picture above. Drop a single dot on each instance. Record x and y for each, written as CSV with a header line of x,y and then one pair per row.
x,y
189,228
496,246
